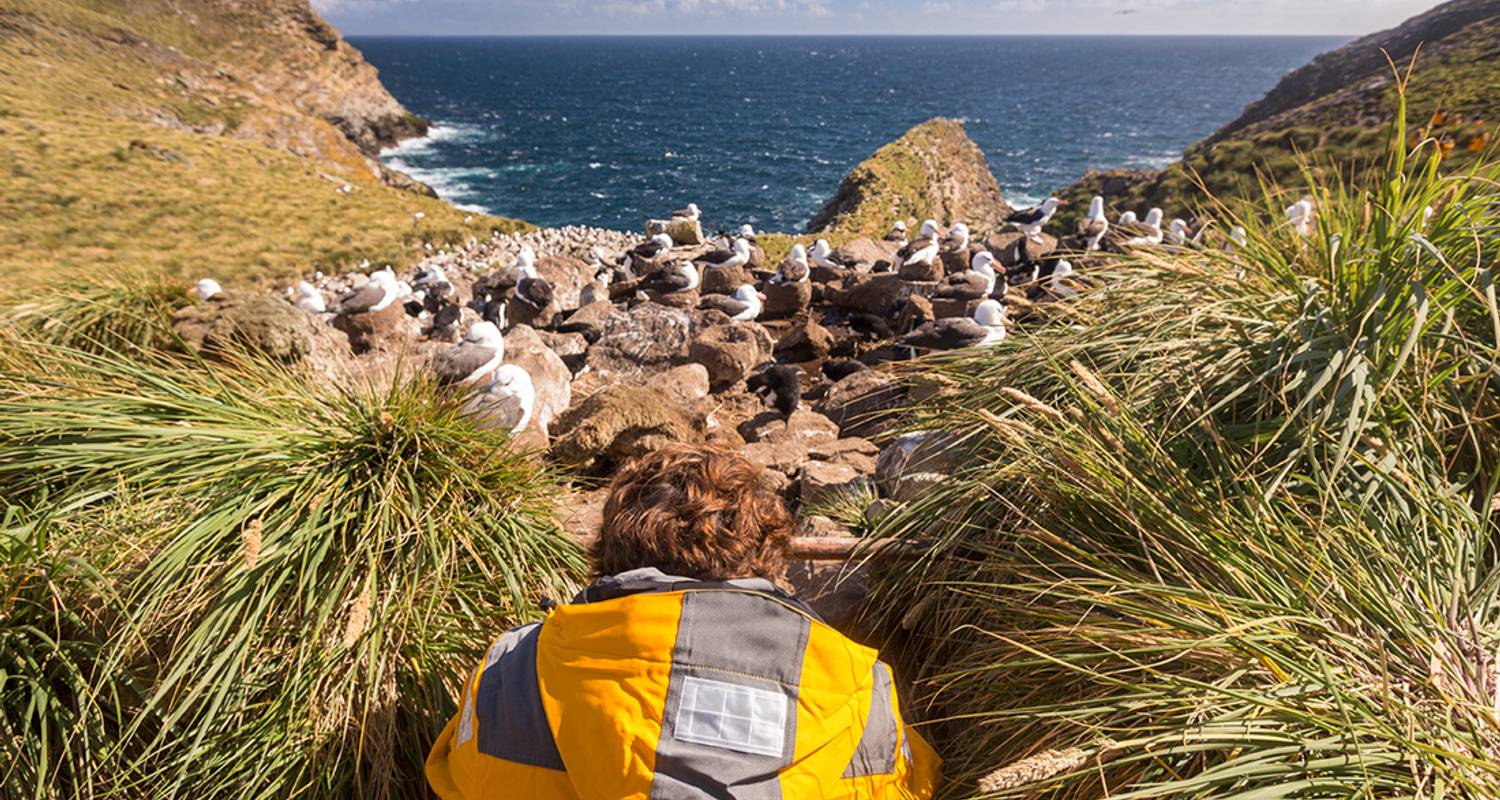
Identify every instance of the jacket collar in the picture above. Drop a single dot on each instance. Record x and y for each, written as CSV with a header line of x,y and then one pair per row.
x,y
650,580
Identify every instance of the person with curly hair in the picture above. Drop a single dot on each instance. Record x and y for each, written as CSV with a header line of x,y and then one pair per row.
x,y
684,670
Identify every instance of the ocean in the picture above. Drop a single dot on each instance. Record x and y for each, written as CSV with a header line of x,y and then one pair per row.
x,y
610,131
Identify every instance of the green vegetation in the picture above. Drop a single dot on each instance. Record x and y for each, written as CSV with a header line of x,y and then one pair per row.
x,y
121,152
303,571
1455,86
1233,535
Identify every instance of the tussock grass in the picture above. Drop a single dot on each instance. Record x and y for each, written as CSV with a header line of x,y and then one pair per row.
x,y
60,711
307,570
1232,537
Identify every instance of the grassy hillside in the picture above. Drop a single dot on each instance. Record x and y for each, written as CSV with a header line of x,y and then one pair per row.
x,y
133,139
1339,120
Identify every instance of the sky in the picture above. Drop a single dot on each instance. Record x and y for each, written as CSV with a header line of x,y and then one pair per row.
x,y
819,17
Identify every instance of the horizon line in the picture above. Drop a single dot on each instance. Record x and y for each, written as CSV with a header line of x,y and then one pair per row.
x,y
783,35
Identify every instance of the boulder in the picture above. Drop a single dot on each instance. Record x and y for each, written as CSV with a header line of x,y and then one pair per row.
x,y
942,309
804,427
823,481
568,277
916,311
932,271
915,464
1012,248
550,377
728,352
387,329
858,454
684,232
806,341
825,276
648,338
687,384
259,323
876,294
786,299
757,258
565,344
618,423
855,402
520,312
868,254
724,280
781,458
683,300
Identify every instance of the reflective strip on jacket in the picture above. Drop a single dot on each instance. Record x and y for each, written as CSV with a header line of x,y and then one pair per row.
x,y
661,688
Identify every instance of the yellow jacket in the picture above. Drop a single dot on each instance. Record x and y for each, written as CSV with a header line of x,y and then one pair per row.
x,y
661,688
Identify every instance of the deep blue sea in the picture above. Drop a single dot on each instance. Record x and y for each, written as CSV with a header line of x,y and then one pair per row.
x,y
610,131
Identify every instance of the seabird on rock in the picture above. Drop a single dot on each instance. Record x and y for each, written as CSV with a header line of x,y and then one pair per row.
x,y
309,299
1177,233
744,306
923,249
977,283
736,256
871,326
1150,233
1097,225
780,384
957,240
794,268
376,295
841,368
509,397
747,232
531,288
207,289
898,233
434,282
649,254
1063,270
986,328
822,255
679,277
1032,220
480,352
689,213
1300,216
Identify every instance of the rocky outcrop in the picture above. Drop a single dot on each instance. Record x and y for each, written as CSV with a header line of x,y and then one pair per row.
x,y
621,422
1347,68
933,171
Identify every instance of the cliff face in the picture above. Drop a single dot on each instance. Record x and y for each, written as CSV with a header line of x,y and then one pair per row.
x,y
228,138
933,171
1335,112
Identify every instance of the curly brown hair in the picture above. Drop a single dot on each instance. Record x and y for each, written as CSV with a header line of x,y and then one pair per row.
x,y
701,512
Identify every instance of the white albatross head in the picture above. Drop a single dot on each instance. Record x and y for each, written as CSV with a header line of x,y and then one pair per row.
x,y
821,249
983,263
1128,218
1096,208
929,229
1153,217
990,313
486,333
663,241
799,254
1049,206
747,231
899,227
526,260
207,288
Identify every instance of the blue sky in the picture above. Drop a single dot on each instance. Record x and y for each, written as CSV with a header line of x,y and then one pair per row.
x,y
501,17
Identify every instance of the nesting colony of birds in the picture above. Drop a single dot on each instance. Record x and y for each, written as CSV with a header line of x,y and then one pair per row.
x,y
598,345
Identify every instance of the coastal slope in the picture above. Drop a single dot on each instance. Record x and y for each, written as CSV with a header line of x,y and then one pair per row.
x,y
933,171
195,137
1335,111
